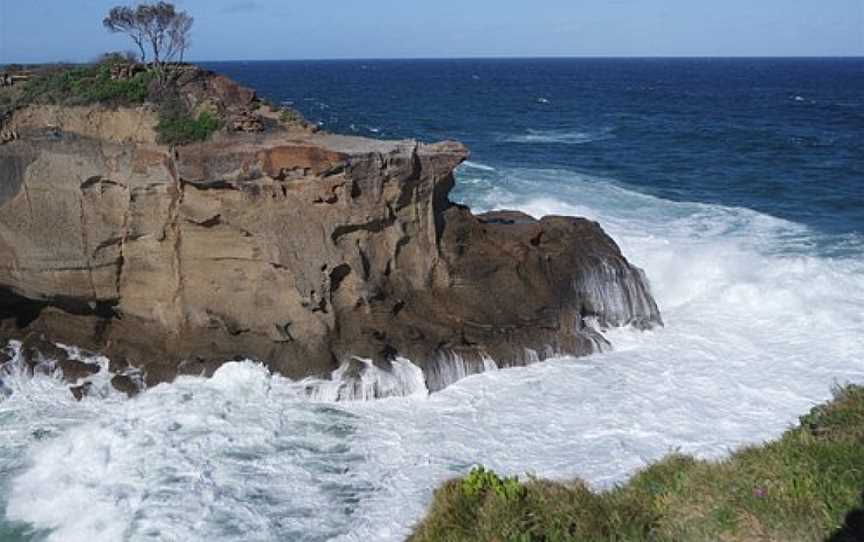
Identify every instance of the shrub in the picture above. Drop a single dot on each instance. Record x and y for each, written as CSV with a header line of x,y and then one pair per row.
x,y
480,482
183,129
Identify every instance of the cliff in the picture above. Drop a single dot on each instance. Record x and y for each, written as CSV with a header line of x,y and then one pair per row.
x,y
303,250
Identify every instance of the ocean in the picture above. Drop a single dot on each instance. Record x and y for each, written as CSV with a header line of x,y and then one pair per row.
x,y
736,184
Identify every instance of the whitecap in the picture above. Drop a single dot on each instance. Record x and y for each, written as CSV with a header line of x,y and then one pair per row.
x,y
477,165
567,137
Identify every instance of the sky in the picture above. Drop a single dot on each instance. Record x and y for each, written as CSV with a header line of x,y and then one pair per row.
x,y
71,30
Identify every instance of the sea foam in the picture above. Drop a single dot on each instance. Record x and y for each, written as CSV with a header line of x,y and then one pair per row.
x,y
565,137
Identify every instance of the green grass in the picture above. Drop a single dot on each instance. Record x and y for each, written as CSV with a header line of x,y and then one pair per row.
x,y
805,486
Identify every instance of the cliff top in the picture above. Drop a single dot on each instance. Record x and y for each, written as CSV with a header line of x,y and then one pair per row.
x,y
192,103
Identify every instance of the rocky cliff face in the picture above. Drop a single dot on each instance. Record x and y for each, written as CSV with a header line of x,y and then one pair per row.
x,y
302,250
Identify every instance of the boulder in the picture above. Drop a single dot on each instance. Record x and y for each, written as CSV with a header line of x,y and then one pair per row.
x,y
81,391
125,384
246,121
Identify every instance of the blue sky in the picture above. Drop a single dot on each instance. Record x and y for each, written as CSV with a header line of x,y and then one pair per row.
x,y
70,30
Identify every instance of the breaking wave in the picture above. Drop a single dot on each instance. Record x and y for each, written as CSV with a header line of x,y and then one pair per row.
x,y
476,165
564,137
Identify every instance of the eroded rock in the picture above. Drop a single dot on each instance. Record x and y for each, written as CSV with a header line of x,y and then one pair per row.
x,y
125,384
298,249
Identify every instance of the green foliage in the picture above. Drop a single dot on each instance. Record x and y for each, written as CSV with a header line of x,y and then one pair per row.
x,y
184,128
87,84
103,89
480,482
55,85
805,486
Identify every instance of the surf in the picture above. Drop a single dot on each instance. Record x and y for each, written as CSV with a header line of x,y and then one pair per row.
x,y
250,453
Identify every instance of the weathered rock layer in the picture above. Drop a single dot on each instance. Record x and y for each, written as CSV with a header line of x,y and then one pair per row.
x,y
298,249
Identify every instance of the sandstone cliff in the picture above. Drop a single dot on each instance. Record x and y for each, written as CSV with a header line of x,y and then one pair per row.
x,y
299,249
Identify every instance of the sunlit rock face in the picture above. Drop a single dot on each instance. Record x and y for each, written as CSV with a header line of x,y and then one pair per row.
x,y
303,250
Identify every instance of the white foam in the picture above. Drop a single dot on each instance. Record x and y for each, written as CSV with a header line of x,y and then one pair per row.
x,y
758,329
567,137
452,367
477,165
361,380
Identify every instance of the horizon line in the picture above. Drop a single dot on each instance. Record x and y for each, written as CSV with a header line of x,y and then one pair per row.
x,y
530,57
491,57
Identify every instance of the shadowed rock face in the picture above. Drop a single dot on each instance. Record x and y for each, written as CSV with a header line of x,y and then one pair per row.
x,y
297,249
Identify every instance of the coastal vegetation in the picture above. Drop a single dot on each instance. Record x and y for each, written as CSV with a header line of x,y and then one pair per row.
x,y
806,486
112,83
126,79
160,26
182,127
79,85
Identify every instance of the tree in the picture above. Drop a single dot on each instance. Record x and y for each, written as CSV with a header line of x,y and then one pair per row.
x,y
160,26
179,36
125,20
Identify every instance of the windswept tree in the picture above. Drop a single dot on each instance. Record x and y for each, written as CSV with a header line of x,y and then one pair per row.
x,y
159,26
179,36
125,20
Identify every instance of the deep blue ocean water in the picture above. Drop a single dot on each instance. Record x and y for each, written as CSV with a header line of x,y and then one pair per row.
x,y
781,136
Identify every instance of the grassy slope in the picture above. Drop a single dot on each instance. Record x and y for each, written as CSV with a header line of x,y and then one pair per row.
x,y
805,486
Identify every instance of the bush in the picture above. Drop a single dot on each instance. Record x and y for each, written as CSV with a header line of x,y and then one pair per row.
x,y
480,482
184,128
